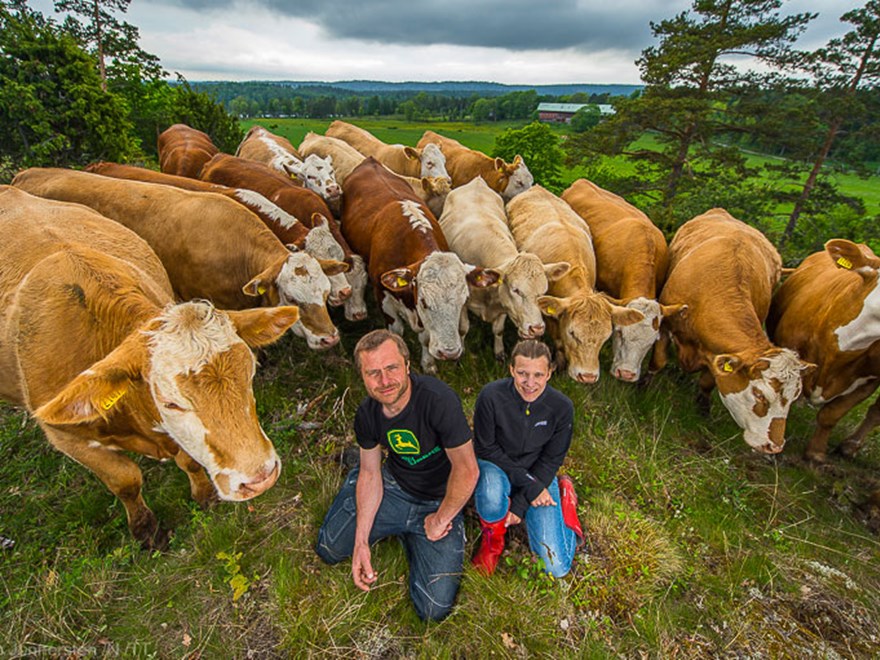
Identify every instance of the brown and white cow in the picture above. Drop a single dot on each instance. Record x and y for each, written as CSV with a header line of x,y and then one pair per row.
x,y
464,164
340,154
725,271
475,226
93,346
828,311
583,319
318,240
631,263
299,202
184,150
314,172
415,277
426,160
210,246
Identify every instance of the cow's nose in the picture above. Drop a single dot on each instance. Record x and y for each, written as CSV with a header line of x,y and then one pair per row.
x,y
264,480
770,448
588,378
536,330
449,353
328,341
341,296
626,375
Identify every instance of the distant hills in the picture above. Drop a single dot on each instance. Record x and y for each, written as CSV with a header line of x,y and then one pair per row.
x,y
454,88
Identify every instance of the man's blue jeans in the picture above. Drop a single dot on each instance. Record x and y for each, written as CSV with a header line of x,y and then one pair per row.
x,y
549,537
434,566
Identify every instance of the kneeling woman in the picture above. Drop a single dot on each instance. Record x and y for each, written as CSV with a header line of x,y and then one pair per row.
x,y
522,432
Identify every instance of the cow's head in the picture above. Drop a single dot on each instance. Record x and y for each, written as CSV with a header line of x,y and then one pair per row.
x,y
318,175
631,343
524,278
585,323
300,279
439,285
432,159
759,392
516,175
436,189
322,244
356,305
863,330
188,374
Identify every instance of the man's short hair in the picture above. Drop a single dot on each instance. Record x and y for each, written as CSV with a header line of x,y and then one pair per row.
x,y
373,340
531,349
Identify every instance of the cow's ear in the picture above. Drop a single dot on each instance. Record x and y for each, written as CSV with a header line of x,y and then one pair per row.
x,y
671,310
426,184
517,160
264,325
552,306
556,271
294,168
397,280
264,283
847,255
319,220
807,368
412,154
296,247
483,278
622,316
97,392
499,164
726,364
332,267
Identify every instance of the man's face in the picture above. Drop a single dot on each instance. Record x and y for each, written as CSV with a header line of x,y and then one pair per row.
x,y
530,376
385,373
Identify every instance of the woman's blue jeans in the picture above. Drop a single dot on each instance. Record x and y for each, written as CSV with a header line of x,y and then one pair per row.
x,y
549,537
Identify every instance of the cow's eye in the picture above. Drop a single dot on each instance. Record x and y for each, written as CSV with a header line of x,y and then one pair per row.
x,y
170,405
759,396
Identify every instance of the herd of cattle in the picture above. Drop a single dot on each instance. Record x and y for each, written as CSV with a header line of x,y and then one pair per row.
x,y
112,282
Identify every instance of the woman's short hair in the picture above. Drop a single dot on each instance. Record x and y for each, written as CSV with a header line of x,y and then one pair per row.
x,y
373,340
531,349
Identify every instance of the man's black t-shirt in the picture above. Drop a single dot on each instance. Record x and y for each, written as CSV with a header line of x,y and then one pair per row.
x,y
417,436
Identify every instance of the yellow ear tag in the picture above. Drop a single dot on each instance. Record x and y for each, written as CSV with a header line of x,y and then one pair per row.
x,y
111,400
843,262
727,368
551,311
261,289
402,282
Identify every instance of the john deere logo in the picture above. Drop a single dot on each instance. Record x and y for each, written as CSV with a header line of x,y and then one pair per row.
x,y
403,442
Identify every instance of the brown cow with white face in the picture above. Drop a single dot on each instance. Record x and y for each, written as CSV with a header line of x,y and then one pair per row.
x,y
339,153
93,346
425,160
475,226
828,311
463,165
583,319
631,263
725,271
314,172
210,246
184,150
415,277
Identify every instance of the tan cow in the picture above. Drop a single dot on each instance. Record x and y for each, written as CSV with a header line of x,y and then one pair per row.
x,y
314,172
631,263
475,226
415,277
725,271
92,346
211,247
828,311
543,224
184,150
426,160
463,164
318,239
300,202
340,154
432,190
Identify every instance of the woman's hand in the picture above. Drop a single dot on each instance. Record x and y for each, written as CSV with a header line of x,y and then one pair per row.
x,y
543,499
512,519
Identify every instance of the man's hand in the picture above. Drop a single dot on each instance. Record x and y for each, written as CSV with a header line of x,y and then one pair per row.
x,y
512,519
361,569
543,499
436,529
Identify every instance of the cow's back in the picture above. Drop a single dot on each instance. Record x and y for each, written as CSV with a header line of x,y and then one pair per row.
x,y
475,225
184,150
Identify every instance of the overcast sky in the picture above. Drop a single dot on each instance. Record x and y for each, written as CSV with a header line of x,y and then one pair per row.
x,y
509,41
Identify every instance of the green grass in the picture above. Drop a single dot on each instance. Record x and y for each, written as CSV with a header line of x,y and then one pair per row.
x,y
698,548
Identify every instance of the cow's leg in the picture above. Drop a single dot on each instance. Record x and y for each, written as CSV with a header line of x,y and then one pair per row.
x,y
704,395
853,443
498,336
203,491
829,415
122,477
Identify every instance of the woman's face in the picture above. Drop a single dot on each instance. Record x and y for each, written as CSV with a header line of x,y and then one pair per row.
x,y
530,376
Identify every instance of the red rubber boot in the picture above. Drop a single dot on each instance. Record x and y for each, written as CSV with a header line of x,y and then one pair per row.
x,y
491,546
569,506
